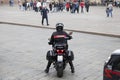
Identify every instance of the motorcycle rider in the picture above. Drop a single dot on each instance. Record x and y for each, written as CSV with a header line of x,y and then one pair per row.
x,y
57,37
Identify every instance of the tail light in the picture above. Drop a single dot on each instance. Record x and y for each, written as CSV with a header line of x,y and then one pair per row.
x,y
60,51
109,73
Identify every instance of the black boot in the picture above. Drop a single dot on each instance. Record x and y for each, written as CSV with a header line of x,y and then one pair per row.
x,y
72,70
46,70
48,66
72,67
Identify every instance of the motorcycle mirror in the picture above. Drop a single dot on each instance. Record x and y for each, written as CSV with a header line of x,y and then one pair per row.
x,y
70,33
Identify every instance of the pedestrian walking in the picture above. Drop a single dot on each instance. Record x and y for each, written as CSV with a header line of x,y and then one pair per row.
x,y
38,5
55,7
31,4
60,5
67,6
11,2
82,4
44,13
50,6
73,8
76,7
35,6
87,4
109,10
28,5
24,4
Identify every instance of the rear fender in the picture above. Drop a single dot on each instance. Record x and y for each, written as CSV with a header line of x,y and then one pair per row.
x,y
59,65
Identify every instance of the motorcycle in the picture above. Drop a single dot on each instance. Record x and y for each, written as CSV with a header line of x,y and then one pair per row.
x,y
60,57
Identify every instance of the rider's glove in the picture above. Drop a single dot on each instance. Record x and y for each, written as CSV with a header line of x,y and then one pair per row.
x,y
70,37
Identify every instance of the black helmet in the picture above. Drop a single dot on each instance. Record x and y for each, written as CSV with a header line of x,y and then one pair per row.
x,y
59,26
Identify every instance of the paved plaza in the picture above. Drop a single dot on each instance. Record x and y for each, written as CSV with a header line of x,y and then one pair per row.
x,y
94,21
23,48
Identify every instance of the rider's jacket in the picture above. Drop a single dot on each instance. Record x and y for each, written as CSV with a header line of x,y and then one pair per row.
x,y
59,37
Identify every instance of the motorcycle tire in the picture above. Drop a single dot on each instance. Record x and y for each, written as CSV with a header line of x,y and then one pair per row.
x,y
60,70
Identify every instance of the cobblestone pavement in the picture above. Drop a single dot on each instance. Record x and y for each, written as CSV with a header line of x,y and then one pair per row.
x,y
23,50
94,21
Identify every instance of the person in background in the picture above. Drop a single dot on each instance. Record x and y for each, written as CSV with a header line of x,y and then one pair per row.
x,y
109,10
87,4
24,4
76,7
67,6
20,4
44,13
11,2
50,6
38,5
31,4
82,4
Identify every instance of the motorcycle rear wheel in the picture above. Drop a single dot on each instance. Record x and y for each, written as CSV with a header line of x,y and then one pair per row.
x,y
60,70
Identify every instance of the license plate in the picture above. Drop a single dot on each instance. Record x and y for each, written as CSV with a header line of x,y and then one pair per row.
x,y
59,58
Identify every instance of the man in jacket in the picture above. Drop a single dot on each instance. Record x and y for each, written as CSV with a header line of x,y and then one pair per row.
x,y
58,37
44,13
